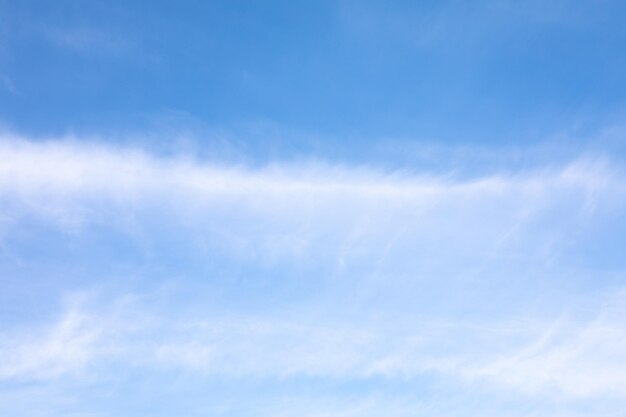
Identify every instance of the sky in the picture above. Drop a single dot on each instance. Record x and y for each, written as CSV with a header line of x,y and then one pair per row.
x,y
312,208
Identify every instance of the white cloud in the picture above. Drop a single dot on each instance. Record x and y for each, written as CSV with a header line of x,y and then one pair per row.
x,y
565,358
576,359
390,235
286,208
66,346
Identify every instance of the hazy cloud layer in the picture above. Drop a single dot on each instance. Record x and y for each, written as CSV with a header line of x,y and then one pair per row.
x,y
390,276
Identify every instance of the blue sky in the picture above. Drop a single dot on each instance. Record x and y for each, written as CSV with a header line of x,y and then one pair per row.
x,y
332,208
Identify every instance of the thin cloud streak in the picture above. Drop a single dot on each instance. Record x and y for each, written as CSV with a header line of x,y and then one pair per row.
x,y
571,358
63,171
288,210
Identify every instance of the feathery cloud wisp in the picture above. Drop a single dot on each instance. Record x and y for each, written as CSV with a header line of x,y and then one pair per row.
x,y
395,275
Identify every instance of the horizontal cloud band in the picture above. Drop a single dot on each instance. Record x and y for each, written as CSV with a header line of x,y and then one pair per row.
x,y
393,235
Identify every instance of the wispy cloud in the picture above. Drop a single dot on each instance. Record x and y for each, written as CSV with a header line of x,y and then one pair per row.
x,y
65,347
397,276
289,210
573,358
72,171
569,358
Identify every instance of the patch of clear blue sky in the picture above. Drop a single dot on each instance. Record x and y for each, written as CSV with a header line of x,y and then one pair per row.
x,y
489,72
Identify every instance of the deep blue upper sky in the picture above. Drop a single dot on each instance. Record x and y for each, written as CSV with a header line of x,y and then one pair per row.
x,y
457,72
